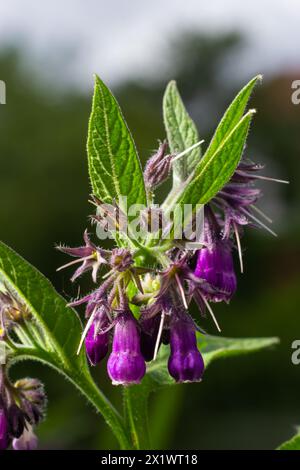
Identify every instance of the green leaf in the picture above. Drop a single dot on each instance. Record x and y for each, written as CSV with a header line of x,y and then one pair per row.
x,y
135,404
292,444
221,157
212,348
59,324
216,347
231,117
136,396
181,133
215,170
114,166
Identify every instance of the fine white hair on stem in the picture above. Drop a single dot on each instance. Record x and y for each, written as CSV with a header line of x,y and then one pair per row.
x,y
259,222
85,331
160,330
78,292
211,313
238,242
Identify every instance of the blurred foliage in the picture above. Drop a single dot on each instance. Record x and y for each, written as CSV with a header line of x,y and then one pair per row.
x,y
247,402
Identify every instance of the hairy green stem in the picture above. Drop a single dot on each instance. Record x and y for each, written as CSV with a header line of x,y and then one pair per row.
x,y
97,398
84,382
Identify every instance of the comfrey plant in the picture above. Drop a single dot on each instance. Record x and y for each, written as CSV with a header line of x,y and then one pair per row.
x,y
22,404
163,260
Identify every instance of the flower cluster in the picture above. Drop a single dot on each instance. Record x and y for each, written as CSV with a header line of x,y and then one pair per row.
x,y
22,407
226,215
164,292
22,404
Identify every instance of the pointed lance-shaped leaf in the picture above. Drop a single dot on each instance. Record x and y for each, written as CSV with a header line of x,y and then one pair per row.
x,y
232,116
216,169
181,133
114,165
58,326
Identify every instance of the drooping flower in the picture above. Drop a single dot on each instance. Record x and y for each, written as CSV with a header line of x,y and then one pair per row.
x,y
32,398
226,215
97,338
22,406
185,363
158,167
12,311
27,441
183,277
126,364
215,265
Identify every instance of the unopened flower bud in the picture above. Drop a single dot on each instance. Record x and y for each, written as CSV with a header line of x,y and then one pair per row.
x,y
152,219
185,362
158,167
96,341
215,265
126,364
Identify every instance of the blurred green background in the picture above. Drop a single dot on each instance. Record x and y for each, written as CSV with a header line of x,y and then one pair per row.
x,y
245,402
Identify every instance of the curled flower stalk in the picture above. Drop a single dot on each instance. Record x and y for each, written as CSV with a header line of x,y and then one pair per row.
x,y
22,408
166,289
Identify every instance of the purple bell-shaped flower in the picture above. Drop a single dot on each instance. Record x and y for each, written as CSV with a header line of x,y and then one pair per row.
x,y
215,265
185,362
97,339
126,364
